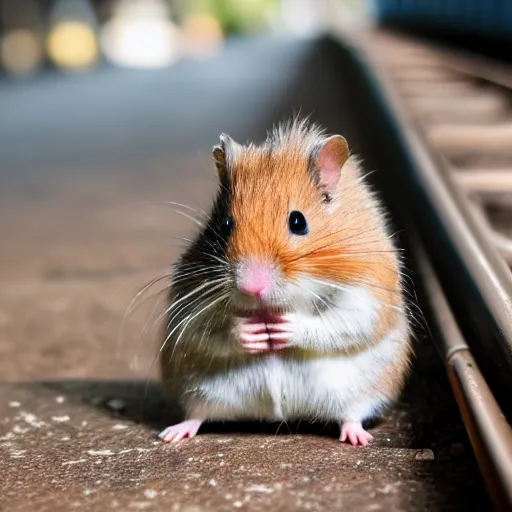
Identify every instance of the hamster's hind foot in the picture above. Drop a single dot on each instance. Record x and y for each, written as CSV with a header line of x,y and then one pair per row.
x,y
185,429
354,432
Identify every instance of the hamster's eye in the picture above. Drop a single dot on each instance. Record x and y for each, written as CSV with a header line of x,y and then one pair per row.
x,y
297,223
227,226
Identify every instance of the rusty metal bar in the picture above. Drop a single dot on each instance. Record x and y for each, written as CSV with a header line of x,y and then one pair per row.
x,y
483,181
489,433
473,119
502,243
478,67
463,229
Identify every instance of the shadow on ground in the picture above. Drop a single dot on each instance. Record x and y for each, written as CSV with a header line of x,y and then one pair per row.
x,y
425,416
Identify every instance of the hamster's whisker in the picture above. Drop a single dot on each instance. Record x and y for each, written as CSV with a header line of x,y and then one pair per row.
x,y
320,314
196,277
202,213
183,239
191,268
145,330
158,355
173,203
371,284
183,309
408,278
364,176
348,290
188,305
329,245
179,323
367,253
283,422
207,329
200,278
191,316
304,288
147,287
342,256
413,303
220,260
196,290
198,272
195,265
345,272
214,248
206,257
397,232
134,303
219,283
190,217
190,242
219,313
360,239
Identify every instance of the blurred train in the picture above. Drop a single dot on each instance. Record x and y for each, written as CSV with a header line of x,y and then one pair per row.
x,y
483,26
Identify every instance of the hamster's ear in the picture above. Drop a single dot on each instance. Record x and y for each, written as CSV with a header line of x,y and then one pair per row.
x,y
223,155
330,158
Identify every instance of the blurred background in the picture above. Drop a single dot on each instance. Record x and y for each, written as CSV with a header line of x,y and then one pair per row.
x,y
109,110
81,35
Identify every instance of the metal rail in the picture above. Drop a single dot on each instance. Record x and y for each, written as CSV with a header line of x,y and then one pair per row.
x,y
489,433
474,118
459,261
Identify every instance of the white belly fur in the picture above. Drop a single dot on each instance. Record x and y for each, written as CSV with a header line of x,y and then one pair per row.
x,y
326,388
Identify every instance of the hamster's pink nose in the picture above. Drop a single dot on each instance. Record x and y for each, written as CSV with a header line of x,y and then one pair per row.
x,y
255,280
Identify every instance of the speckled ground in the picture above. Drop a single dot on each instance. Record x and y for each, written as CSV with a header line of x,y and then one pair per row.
x,y
79,237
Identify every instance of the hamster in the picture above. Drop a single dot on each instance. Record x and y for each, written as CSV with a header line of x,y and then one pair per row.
x,y
288,304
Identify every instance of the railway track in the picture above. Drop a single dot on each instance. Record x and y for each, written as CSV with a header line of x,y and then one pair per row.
x,y
463,104
453,116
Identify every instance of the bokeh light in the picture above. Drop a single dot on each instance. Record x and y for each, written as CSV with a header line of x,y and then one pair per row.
x,y
21,43
141,35
71,42
22,51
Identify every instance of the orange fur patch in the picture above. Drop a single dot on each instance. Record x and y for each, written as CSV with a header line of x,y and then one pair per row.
x,y
346,243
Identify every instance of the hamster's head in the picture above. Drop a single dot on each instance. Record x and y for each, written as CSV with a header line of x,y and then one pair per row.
x,y
292,221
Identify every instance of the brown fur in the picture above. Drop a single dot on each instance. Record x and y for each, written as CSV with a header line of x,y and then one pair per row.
x,y
345,244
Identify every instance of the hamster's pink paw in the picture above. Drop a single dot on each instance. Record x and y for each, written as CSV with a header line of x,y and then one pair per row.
x,y
253,336
285,331
354,432
280,335
176,433
258,336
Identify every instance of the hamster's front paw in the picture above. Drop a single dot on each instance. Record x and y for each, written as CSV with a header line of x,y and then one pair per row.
x,y
257,334
283,331
252,335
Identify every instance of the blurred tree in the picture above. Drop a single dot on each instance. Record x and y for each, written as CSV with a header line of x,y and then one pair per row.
x,y
236,16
